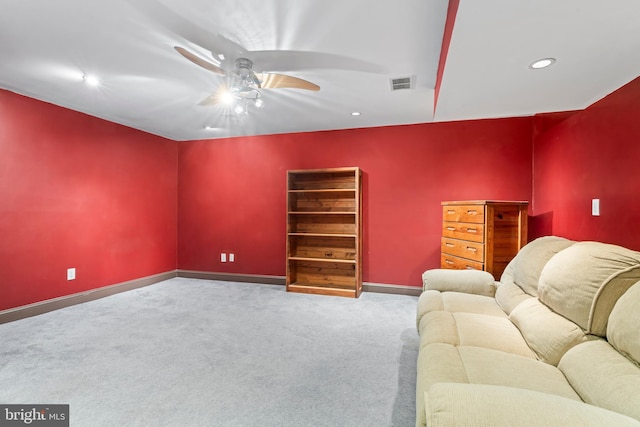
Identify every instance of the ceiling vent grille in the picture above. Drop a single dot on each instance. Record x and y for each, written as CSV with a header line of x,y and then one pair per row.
x,y
402,83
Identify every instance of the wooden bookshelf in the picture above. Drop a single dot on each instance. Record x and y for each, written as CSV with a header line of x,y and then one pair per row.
x,y
324,231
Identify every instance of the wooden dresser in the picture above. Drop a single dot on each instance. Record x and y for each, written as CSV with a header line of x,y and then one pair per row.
x,y
482,234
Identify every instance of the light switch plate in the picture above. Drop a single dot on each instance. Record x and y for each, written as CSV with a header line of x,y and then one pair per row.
x,y
71,274
595,207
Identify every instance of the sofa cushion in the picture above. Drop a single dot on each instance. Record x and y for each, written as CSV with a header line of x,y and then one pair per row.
x,y
624,324
486,366
524,270
468,329
603,377
456,302
449,404
584,281
439,363
548,334
509,295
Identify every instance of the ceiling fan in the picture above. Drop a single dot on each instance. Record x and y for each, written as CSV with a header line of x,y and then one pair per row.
x,y
243,86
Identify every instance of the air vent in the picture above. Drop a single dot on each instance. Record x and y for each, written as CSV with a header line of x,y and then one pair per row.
x,y
402,83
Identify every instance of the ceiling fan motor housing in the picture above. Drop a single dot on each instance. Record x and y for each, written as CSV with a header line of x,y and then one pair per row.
x,y
244,63
245,76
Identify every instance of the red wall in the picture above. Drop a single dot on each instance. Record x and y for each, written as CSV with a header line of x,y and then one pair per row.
x,y
80,192
77,191
232,191
594,153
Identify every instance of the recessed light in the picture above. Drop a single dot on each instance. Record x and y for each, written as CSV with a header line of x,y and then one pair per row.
x,y
542,63
355,113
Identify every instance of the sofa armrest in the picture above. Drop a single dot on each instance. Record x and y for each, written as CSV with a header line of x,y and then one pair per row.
x,y
452,404
466,281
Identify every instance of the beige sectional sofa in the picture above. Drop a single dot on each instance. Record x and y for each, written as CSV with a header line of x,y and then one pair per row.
x,y
556,342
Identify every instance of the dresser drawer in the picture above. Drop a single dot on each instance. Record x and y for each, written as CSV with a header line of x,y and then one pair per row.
x,y
463,213
455,263
463,231
470,250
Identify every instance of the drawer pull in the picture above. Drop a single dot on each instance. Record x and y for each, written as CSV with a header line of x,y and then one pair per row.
x,y
468,267
451,228
448,261
472,230
472,212
474,250
451,212
449,245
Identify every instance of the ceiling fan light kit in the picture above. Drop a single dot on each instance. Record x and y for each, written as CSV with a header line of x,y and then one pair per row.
x,y
242,87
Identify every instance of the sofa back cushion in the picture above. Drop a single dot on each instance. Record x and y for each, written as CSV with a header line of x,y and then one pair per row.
x,y
509,296
584,281
623,330
548,334
524,270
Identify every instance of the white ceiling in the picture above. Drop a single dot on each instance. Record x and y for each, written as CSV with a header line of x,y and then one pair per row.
x,y
350,48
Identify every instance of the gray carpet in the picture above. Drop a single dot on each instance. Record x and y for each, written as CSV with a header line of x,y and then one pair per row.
x,y
188,352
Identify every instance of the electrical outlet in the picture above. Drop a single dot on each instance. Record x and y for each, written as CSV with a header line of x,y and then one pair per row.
x,y
232,258
71,274
223,257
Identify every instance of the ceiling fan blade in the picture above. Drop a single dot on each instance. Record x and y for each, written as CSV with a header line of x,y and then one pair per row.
x,y
210,100
199,61
226,46
216,98
278,81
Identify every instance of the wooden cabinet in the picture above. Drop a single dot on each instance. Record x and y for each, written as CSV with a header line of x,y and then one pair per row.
x,y
324,231
482,234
